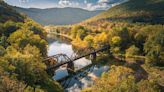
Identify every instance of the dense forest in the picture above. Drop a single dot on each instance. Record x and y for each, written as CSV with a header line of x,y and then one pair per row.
x,y
22,48
134,30
141,44
150,11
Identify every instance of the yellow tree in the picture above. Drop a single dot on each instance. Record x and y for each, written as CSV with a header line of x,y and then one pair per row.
x,y
89,40
119,78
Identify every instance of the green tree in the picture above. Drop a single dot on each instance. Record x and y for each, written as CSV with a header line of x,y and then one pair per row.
x,y
101,39
126,85
75,29
27,66
10,27
81,33
2,51
123,33
22,37
116,41
148,86
3,41
1,29
11,85
35,27
140,40
119,79
89,40
132,51
154,47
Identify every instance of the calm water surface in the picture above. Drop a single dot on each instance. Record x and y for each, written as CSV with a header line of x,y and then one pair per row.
x,y
57,46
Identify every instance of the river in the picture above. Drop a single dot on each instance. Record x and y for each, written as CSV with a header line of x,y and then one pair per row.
x,y
57,45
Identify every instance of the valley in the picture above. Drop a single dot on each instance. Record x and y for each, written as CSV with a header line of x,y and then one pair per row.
x,y
75,50
61,45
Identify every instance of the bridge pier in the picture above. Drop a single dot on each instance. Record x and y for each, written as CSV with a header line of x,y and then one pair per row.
x,y
93,56
70,67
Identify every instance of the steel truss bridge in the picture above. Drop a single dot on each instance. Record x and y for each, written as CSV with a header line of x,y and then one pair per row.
x,y
56,61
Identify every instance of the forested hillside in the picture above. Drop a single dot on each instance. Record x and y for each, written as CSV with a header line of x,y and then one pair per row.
x,y
58,16
10,14
135,11
22,48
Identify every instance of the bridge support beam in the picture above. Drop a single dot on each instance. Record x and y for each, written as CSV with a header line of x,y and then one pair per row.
x,y
70,68
93,56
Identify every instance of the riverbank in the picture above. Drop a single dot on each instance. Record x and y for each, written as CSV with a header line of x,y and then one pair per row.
x,y
102,59
57,45
63,35
75,42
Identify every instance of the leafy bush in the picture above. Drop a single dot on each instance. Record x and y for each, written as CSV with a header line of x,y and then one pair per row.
x,y
132,51
154,47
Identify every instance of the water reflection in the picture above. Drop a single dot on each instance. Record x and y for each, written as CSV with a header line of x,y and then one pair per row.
x,y
60,73
58,45
77,85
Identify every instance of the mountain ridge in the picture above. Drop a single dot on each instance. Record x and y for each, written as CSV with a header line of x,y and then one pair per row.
x,y
7,13
134,11
57,16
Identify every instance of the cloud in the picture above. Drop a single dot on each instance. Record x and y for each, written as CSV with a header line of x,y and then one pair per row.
x,y
64,2
67,3
89,4
98,6
85,4
103,1
23,1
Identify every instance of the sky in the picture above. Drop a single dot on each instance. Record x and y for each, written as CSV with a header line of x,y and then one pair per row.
x,y
85,4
